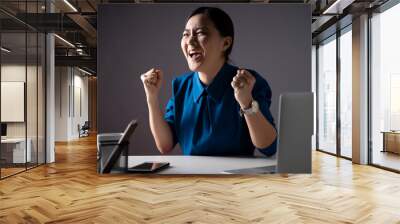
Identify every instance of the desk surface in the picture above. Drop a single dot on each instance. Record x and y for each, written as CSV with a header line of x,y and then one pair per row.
x,y
390,132
205,164
13,140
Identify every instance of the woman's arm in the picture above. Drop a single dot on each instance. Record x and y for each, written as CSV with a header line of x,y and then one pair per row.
x,y
262,132
160,129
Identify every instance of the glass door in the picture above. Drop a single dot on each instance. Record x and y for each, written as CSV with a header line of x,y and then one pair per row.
x,y
345,92
326,91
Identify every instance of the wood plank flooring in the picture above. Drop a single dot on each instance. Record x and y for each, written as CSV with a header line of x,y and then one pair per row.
x,y
387,159
10,171
70,191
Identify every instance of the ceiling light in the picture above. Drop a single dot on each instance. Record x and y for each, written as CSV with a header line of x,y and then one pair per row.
x,y
5,50
338,6
70,5
84,71
64,40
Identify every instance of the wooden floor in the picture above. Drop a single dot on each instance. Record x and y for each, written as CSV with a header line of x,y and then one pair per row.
x,y
70,191
10,171
5,172
386,159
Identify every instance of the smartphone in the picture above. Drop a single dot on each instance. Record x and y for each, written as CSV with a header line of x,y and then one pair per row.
x,y
149,167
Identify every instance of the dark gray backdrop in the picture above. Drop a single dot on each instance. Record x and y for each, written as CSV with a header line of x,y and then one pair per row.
x,y
272,39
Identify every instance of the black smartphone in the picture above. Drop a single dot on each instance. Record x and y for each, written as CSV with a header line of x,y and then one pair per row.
x,y
148,167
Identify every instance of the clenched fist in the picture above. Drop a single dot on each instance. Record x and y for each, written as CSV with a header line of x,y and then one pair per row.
x,y
243,84
152,80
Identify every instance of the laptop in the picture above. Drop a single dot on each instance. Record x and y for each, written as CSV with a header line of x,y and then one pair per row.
x,y
295,128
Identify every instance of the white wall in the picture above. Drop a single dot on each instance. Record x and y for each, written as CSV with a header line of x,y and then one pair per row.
x,y
61,103
33,126
79,112
71,93
17,73
13,73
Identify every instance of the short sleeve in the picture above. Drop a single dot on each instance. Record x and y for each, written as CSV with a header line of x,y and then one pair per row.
x,y
169,117
262,94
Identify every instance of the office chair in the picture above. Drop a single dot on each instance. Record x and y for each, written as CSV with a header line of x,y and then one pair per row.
x,y
84,130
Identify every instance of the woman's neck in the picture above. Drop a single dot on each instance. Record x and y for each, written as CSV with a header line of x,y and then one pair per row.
x,y
206,77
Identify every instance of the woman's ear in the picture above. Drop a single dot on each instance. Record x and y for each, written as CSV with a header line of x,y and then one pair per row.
x,y
227,43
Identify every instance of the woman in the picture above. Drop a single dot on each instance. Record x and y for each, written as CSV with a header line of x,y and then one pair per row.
x,y
216,109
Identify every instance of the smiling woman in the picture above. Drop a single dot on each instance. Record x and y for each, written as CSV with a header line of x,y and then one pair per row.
x,y
207,41
216,109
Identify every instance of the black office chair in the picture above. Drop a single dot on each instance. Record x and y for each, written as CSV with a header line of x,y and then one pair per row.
x,y
84,130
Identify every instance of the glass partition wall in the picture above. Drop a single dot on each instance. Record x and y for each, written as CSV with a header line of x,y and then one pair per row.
x,y
334,94
22,88
345,65
334,90
327,95
385,89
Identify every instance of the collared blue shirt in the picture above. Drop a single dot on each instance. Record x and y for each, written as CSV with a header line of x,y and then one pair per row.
x,y
205,120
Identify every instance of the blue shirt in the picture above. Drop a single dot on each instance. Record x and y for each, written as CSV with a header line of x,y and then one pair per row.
x,y
205,120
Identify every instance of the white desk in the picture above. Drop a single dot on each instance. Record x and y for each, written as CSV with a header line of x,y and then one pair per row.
x,y
205,164
19,155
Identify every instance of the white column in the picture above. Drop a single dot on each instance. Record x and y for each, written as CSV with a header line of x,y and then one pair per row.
x,y
50,93
360,90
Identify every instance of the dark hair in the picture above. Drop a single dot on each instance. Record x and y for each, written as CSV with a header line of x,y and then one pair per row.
x,y
221,21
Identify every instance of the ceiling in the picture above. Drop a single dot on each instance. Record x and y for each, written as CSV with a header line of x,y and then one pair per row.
x,y
76,22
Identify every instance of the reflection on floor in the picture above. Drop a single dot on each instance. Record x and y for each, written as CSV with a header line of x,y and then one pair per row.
x,y
387,159
346,152
10,169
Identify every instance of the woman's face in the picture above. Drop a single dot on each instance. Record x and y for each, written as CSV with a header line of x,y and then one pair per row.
x,y
202,44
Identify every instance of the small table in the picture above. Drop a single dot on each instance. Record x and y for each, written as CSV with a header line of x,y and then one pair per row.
x,y
391,141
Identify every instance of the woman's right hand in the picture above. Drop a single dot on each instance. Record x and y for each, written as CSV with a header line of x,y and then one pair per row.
x,y
152,80
160,129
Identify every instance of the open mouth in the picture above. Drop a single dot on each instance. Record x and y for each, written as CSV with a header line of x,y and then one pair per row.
x,y
195,55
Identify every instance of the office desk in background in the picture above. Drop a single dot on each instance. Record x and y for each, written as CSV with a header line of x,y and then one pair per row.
x,y
206,164
391,141
13,150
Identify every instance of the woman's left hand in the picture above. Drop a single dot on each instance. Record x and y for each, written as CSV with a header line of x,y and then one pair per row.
x,y
243,84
